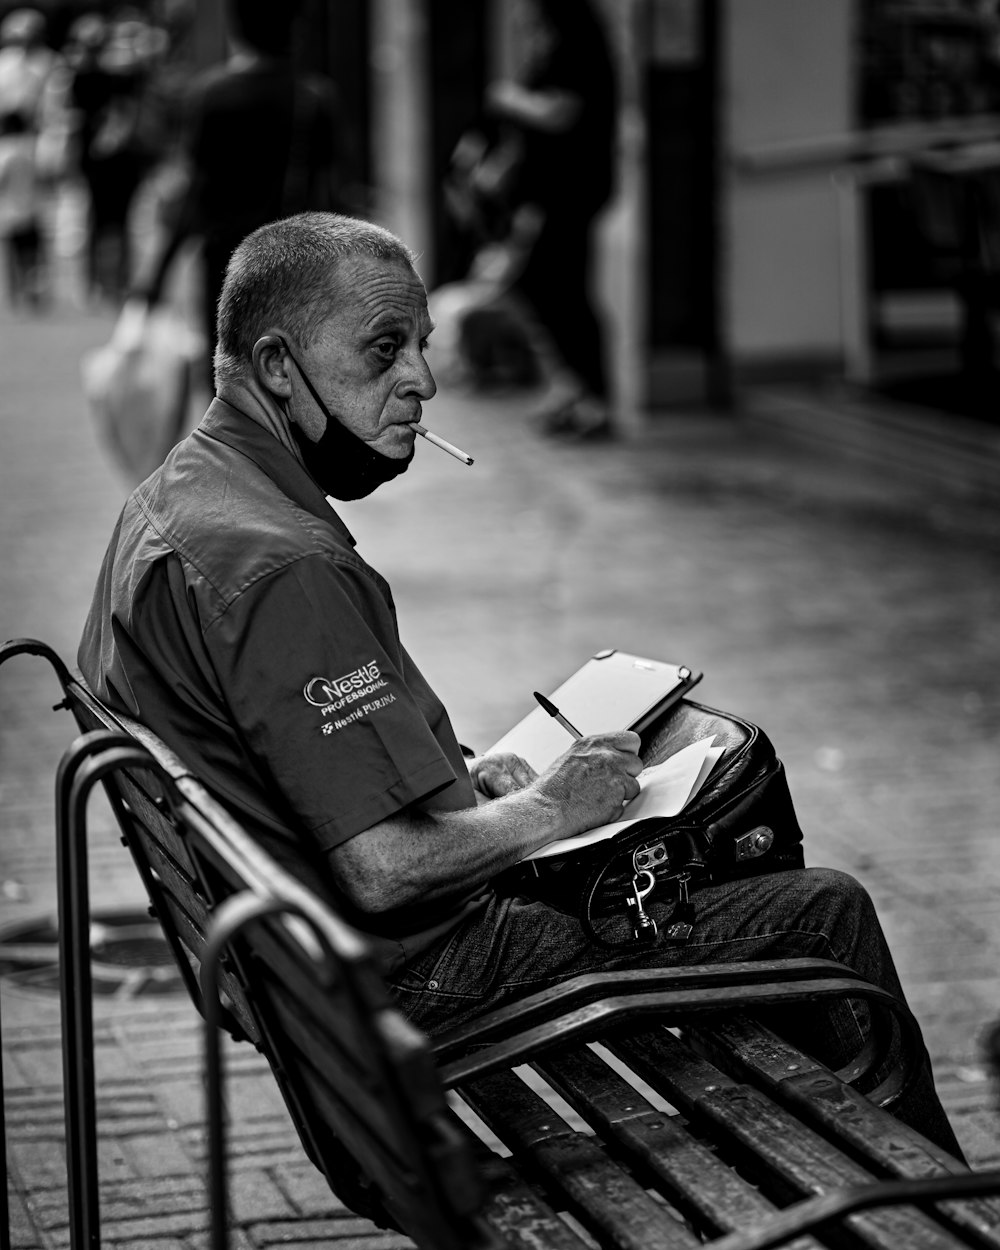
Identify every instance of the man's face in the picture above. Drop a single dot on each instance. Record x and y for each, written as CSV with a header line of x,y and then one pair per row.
x,y
367,361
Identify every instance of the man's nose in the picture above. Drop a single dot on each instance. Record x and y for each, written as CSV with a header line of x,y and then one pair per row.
x,y
420,381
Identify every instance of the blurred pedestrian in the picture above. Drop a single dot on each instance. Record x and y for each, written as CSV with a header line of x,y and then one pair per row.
x,y
20,230
561,112
25,64
119,137
27,68
262,142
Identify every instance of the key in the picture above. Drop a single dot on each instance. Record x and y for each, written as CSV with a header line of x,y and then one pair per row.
x,y
680,926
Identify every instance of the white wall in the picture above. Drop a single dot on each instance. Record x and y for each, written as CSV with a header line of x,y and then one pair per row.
x,y
400,127
786,77
621,262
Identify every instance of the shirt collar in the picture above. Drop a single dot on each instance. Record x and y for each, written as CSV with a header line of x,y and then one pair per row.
x,y
229,425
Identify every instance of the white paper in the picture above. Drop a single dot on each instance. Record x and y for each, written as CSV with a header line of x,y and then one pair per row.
x,y
665,790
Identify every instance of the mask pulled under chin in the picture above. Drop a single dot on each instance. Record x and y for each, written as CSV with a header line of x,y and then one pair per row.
x,y
344,465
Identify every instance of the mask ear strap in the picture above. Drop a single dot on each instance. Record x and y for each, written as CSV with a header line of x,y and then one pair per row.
x,y
305,378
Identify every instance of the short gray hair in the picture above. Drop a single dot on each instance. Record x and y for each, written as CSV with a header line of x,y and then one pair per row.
x,y
281,274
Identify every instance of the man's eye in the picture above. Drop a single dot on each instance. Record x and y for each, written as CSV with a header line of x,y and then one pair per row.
x,y
387,349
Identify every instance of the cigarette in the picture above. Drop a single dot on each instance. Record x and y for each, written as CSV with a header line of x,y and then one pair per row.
x,y
450,448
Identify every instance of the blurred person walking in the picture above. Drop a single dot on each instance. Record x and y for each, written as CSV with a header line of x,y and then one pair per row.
x,y
561,111
26,63
20,229
27,71
119,137
261,142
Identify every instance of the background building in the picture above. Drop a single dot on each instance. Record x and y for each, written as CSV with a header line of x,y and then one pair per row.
x,y
771,216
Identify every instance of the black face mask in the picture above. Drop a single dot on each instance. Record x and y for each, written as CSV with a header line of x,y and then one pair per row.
x,y
342,464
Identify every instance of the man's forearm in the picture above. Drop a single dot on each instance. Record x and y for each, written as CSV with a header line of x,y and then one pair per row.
x,y
424,855
439,854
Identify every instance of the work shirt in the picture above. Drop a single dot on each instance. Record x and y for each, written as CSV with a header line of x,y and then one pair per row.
x,y
235,618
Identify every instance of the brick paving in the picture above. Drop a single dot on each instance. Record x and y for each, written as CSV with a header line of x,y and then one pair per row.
x,y
842,605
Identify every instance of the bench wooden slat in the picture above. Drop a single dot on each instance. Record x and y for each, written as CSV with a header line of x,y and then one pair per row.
x,y
187,928
514,1210
695,1180
172,875
324,1027
90,713
143,805
375,1150
384,1148
789,1160
745,1049
328,1064
413,1066
316,1040
174,889
312,1016
349,1098
172,878
575,1166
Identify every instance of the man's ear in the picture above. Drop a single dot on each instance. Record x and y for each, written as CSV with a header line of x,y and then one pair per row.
x,y
271,365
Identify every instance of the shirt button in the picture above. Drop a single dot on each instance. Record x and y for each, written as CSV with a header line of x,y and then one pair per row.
x,y
432,985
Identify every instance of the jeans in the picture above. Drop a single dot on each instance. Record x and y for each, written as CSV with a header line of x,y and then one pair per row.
x,y
517,946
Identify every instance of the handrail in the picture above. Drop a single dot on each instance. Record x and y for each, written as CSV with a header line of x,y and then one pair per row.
x,y
31,646
92,757
231,917
587,1021
587,987
9,649
575,1008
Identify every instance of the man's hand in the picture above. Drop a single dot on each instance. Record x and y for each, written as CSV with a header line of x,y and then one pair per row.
x,y
423,855
497,775
588,785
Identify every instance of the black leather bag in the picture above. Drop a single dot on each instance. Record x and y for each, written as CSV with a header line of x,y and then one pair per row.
x,y
740,824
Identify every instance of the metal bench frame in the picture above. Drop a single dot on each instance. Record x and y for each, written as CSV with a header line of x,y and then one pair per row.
x,y
616,1008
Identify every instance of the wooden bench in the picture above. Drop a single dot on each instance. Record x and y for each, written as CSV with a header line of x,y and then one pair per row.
x,y
701,1124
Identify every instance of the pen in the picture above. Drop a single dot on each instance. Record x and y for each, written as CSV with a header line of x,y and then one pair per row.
x,y
553,711
436,439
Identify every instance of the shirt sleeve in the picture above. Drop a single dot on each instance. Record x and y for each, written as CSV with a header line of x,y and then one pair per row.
x,y
310,662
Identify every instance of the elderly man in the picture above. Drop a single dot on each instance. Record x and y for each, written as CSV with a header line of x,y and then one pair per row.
x,y
234,616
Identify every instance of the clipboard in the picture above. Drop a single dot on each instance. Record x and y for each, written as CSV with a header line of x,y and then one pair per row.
x,y
612,690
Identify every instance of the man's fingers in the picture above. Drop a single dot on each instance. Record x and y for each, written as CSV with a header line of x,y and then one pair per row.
x,y
624,740
519,772
499,775
522,771
632,787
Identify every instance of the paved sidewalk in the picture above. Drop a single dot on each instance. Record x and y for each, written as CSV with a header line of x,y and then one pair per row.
x,y
830,601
